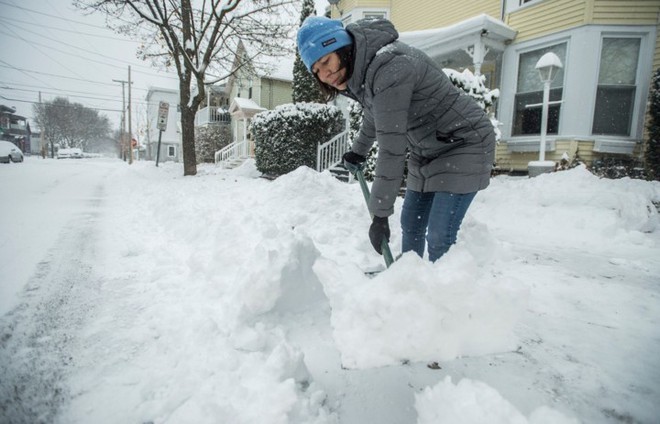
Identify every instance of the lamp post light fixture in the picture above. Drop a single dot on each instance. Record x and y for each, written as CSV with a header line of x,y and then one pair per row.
x,y
548,66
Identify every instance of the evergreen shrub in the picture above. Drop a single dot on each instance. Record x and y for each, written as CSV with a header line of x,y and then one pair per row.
x,y
652,154
287,137
209,140
617,166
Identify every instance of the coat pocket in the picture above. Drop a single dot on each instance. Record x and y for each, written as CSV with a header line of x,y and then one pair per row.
x,y
447,142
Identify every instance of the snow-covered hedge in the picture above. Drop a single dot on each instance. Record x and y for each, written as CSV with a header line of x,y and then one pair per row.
x,y
287,137
209,140
652,154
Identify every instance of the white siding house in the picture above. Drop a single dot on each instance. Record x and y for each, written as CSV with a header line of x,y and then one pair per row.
x,y
170,143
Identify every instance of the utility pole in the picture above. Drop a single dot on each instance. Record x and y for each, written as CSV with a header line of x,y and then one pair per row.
x,y
123,115
44,136
130,128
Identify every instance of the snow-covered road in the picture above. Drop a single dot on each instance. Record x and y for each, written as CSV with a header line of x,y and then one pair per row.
x,y
54,238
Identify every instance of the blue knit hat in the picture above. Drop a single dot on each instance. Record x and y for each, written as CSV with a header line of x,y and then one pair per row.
x,y
319,36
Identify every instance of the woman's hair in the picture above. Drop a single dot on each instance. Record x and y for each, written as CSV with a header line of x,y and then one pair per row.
x,y
346,60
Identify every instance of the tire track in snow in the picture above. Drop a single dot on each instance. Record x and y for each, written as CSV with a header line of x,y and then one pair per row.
x,y
36,337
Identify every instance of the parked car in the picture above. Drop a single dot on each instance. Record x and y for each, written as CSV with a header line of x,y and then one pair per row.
x,y
72,153
10,152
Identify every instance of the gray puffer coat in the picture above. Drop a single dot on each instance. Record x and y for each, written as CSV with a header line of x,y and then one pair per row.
x,y
409,102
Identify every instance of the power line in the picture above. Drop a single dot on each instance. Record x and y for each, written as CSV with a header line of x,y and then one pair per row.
x,y
12,20
36,103
42,89
7,65
30,42
50,16
107,98
47,55
71,94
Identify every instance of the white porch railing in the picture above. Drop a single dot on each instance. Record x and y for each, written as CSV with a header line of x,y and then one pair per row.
x,y
211,115
235,150
329,153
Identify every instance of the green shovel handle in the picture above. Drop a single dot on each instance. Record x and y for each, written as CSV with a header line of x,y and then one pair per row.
x,y
384,246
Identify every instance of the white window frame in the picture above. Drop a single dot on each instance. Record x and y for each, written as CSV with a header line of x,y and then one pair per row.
x,y
171,151
580,87
360,12
635,99
511,6
535,48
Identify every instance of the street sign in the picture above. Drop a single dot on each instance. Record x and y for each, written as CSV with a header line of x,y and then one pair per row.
x,y
163,109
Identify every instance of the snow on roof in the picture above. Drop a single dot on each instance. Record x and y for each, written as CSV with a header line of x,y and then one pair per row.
x,y
486,26
243,105
282,69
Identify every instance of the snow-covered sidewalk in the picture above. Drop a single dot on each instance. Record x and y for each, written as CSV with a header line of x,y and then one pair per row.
x,y
225,297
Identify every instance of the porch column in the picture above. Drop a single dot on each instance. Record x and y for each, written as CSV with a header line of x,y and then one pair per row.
x,y
244,148
236,129
477,52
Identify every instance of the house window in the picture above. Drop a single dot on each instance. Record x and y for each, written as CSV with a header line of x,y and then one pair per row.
x,y
615,95
171,151
374,15
529,93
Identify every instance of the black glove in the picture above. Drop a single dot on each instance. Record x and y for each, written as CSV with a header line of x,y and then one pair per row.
x,y
379,230
352,160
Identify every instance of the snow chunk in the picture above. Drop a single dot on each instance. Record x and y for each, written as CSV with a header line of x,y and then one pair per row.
x,y
475,402
420,311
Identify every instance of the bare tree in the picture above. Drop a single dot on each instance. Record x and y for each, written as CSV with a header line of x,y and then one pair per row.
x,y
70,124
200,39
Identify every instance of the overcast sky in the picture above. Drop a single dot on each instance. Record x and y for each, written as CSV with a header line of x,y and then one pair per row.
x,y
53,49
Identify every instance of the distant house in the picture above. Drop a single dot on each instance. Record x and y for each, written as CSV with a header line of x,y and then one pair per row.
x,y
215,110
247,92
36,143
170,139
252,90
608,48
14,128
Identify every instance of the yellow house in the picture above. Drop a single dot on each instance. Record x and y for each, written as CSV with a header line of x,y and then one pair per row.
x,y
609,50
264,84
267,84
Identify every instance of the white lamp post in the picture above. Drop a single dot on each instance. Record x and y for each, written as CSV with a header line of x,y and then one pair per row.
x,y
548,66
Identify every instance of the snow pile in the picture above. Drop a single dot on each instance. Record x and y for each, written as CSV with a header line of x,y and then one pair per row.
x,y
418,311
474,402
574,208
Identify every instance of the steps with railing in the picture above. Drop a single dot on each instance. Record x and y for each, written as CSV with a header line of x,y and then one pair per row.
x,y
328,154
233,151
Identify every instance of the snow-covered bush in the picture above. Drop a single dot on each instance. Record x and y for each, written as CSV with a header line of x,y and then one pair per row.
x,y
652,154
287,137
618,166
566,162
209,140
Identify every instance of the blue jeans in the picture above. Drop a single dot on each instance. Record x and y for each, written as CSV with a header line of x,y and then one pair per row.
x,y
434,216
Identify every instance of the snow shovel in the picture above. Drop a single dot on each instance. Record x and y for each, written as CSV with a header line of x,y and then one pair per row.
x,y
357,171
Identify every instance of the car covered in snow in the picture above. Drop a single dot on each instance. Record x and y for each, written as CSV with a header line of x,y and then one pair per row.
x,y
72,153
9,152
